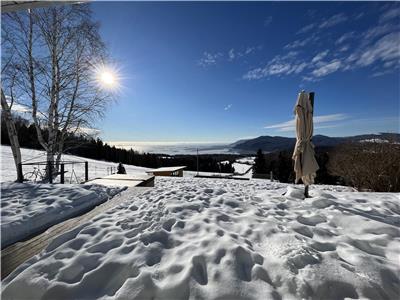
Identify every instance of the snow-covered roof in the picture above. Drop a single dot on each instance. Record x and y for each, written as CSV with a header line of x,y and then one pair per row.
x,y
167,169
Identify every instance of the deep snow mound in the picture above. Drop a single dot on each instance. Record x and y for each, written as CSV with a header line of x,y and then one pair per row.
x,y
28,208
194,238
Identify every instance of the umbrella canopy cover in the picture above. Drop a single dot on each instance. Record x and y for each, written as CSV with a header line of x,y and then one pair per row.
x,y
305,164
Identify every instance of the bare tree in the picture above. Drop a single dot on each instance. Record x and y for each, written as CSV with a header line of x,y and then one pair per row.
x,y
12,132
55,52
8,79
372,165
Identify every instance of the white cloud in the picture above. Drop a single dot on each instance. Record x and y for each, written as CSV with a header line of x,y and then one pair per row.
x,y
279,65
327,68
320,56
18,108
377,47
390,14
291,125
306,28
378,31
344,48
344,37
302,42
228,107
334,20
359,16
385,49
249,50
268,21
231,54
209,59
329,118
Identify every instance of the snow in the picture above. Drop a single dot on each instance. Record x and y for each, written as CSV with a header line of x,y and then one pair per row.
x,y
246,160
97,168
28,208
198,238
214,174
374,141
167,169
244,170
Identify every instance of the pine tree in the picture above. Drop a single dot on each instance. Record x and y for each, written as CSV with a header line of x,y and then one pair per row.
x,y
260,165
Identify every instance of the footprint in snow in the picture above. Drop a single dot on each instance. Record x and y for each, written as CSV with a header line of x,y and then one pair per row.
x,y
312,220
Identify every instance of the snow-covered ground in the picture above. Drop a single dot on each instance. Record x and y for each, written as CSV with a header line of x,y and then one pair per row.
x,y
196,238
246,160
97,168
215,174
244,170
28,208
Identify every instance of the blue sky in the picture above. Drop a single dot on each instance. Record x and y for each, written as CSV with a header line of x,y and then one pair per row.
x,y
218,72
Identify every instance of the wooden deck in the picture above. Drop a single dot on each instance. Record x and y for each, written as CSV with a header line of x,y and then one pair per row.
x,y
124,180
16,254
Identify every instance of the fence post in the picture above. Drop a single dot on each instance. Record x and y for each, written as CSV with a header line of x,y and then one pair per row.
x,y
271,176
62,174
20,176
86,171
50,171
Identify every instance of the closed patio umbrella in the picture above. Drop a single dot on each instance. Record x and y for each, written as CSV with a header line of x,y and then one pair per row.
x,y
305,164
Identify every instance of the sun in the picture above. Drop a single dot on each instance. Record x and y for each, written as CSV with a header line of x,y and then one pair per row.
x,y
107,77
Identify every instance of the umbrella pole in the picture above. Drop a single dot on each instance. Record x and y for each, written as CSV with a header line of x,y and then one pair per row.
x,y
311,98
306,192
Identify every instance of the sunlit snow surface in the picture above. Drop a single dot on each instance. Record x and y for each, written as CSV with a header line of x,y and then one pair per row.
x,y
28,208
196,238
97,168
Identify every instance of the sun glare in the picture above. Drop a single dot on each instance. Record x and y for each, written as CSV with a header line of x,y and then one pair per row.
x,y
107,77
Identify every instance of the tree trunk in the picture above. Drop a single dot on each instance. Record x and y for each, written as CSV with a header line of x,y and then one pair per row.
x,y
13,135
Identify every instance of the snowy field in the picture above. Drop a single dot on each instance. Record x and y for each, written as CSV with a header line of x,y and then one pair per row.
x,y
28,208
97,168
215,174
196,238
246,160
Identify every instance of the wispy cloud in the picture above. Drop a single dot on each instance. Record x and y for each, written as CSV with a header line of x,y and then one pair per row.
x,y
268,21
345,37
231,54
209,59
16,107
279,65
290,125
390,14
306,28
377,31
376,47
320,56
334,20
228,107
302,42
19,108
359,16
385,49
327,68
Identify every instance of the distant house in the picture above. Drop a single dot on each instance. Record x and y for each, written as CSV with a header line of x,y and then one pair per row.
x,y
168,171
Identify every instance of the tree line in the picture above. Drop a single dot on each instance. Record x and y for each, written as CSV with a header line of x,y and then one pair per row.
x,y
89,147
372,165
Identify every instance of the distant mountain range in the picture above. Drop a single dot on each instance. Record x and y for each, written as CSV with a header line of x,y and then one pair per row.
x,y
279,143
